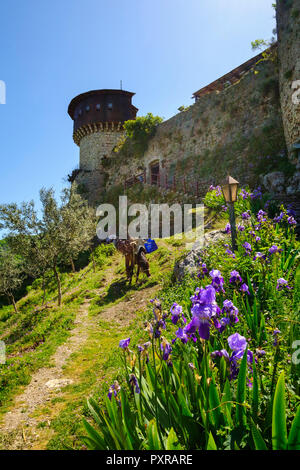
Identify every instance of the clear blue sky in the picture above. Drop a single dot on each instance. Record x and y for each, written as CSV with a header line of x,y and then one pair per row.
x,y
163,50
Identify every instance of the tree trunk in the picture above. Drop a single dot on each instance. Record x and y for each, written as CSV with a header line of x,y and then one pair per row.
x,y
73,265
58,285
44,290
93,260
13,302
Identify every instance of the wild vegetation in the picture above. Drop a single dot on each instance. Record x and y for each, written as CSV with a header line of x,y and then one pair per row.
x,y
137,135
211,363
34,246
217,369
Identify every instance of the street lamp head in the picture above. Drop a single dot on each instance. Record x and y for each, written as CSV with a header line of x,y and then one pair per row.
x,y
229,189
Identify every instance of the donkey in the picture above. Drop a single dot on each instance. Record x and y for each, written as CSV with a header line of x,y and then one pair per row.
x,y
142,263
135,254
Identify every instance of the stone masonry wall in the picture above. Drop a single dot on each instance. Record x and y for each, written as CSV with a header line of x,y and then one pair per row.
x,y
96,146
288,32
238,131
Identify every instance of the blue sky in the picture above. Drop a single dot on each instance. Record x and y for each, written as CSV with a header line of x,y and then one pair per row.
x,y
163,50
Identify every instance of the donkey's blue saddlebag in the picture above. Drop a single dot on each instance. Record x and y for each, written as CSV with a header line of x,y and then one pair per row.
x,y
150,245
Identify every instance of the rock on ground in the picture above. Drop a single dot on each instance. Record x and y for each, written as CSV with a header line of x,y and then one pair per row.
x,y
189,265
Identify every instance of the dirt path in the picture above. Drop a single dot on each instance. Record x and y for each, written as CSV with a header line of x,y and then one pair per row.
x,y
20,426
44,384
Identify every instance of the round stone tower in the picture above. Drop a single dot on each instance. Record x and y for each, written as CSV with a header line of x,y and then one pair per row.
x,y
98,117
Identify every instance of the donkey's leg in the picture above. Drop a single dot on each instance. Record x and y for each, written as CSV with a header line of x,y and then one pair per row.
x,y
127,266
137,272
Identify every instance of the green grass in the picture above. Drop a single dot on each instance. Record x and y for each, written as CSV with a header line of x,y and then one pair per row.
x,y
33,335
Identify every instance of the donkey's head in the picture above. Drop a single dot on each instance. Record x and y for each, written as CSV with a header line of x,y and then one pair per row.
x,y
143,263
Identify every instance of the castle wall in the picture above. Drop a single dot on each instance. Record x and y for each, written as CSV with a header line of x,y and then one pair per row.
x,y
288,32
238,131
242,130
96,146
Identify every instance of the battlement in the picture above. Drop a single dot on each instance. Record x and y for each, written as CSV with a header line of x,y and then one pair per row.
x,y
100,110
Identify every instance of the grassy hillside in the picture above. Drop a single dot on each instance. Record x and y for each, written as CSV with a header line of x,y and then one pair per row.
x,y
36,333
190,391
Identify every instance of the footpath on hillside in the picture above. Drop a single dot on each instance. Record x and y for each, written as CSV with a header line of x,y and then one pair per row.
x,y
76,368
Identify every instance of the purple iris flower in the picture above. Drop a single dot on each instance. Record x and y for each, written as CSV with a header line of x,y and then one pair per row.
x,y
275,334
167,349
218,191
291,221
245,289
247,247
230,253
124,343
230,310
160,324
220,353
278,218
113,389
204,310
245,194
290,211
203,270
228,228
282,284
181,334
260,352
257,239
217,280
261,216
176,311
195,296
246,215
134,383
274,249
259,255
221,324
235,277
237,344
241,228
257,194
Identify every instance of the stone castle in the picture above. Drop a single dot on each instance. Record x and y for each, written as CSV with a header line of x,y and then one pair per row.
x,y
246,123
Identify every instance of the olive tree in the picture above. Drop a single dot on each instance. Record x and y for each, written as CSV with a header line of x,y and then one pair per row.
x,y
11,274
25,239
68,228
56,238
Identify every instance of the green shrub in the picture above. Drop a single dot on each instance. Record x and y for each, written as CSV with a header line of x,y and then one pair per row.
x,y
102,253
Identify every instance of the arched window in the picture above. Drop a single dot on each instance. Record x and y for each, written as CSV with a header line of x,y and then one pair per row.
x,y
154,172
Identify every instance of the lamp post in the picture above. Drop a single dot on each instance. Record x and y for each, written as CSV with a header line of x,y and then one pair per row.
x,y
229,190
